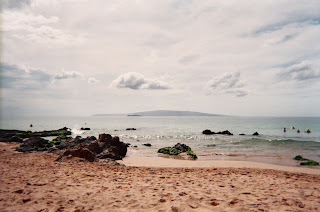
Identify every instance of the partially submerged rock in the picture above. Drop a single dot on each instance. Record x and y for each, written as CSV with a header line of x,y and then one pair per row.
x,y
147,144
209,132
255,134
309,163
4,134
85,128
306,162
131,129
177,149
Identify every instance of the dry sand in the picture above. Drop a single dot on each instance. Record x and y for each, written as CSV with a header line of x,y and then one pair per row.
x,y
35,182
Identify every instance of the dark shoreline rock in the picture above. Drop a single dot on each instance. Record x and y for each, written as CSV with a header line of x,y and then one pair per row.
x,y
131,129
85,128
147,144
255,134
106,147
209,132
5,134
34,144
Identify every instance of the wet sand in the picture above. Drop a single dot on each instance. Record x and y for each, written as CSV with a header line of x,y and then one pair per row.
x,y
35,182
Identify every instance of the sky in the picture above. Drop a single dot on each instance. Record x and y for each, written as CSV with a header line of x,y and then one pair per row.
x,y
236,57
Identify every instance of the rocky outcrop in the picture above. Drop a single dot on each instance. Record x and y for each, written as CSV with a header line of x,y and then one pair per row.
x,y
255,134
92,150
28,134
209,132
34,144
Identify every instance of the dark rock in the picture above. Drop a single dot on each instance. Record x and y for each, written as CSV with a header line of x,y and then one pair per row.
x,y
34,144
181,147
226,132
211,145
256,133
85,128
242,134
147,144
306,162
28,134
105,147
15,139
299,157
135,146
309,163
75,141
209,132
131,129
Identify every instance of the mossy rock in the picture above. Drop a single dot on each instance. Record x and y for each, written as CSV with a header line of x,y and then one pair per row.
x,y
177,149
309,163
169,151
299,157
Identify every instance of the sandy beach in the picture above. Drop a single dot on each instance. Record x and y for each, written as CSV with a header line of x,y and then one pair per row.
x,y
35,182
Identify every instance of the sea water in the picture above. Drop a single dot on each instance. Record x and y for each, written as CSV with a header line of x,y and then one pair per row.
x,y
273,145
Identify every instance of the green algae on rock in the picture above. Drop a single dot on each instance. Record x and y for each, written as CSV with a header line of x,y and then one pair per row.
x,y
177,149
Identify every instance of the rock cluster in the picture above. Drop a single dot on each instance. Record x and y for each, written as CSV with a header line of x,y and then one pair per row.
x,y
92,150
305,161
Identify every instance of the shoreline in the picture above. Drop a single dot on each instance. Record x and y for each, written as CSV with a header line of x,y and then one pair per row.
x,y
161,162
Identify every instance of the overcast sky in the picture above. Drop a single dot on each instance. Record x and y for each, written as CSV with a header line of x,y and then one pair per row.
x,y
82,57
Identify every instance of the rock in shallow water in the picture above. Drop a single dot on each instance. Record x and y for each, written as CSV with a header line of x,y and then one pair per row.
x,y
177,149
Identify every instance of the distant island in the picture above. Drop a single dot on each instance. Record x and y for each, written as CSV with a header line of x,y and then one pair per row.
x,y
163,113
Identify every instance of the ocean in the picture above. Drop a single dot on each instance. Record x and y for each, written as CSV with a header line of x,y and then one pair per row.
x,y
273,145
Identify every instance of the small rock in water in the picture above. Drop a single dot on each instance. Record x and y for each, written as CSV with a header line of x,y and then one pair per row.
x,y
256,133
147,144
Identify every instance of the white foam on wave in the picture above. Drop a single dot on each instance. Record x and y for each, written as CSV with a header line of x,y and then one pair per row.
x,y
76,130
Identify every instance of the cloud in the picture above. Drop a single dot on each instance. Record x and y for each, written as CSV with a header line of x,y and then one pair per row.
x,y
304,71
66,75
14,77
37,28
228,83
137,81
15,4
92,80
